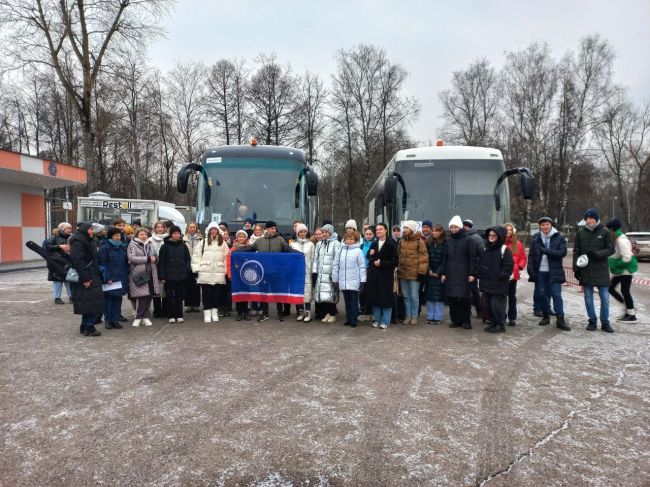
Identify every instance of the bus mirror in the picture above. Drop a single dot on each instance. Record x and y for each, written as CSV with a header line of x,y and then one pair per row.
x,y
312,183
527,184
183,178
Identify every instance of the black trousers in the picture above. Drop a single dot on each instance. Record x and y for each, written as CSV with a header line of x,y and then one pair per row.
x,y
192,292
214,296
475,296
497,307
160,306
175,291
512,300
241,307
626,283
460,310
278,306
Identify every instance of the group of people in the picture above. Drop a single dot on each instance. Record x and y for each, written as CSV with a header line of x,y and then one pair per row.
x,y
385,278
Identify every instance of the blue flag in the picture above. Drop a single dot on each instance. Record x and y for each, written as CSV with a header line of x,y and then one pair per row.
x,y
268,277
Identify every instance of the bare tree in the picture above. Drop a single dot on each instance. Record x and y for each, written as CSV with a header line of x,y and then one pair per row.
x,y
225,101
75,39
272,101
470,107
310,124
639,150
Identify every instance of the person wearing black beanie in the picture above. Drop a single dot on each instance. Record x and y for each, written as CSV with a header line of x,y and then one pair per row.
x,y
595,242
174,268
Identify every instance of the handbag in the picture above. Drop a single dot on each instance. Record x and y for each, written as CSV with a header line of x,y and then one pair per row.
x,y
143,277
72,275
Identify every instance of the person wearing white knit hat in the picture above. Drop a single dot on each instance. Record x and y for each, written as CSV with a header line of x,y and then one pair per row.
x,y
459,273
351,224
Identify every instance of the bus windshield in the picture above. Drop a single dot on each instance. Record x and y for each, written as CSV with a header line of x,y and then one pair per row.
x,y
262,189
438,190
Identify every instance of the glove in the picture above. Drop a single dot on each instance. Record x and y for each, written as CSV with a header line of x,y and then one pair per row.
x,y
543,250
362,287
593,255
336,287
531,277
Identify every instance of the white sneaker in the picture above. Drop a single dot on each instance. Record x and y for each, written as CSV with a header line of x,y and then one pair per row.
x,y
147,322
375,324
215,315
307,317
331,319
383,326
300,316
207,316
136,322
326,319
172,320
179,320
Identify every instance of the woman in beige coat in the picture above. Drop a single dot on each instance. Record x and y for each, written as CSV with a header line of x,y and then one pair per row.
x,y
209,263
304,245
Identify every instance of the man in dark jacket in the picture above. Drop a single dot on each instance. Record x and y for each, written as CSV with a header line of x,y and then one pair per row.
x,y
593,245
174,267
58,245
494,271
87,294
547,249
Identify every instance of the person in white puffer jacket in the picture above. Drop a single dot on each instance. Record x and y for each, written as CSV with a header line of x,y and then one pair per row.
x,y
349,274
325,253
209,264
306,246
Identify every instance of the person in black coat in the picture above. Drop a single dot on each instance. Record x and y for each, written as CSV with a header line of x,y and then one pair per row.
x,y
113,261
494,271
461,268
87,294
434,289
57,244
174,267
382,260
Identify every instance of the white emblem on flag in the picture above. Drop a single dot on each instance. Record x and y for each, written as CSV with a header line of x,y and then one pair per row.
x,y
251,272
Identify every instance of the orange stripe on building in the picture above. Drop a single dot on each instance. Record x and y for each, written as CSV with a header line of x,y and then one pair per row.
x,y
11,244
65,171
33,210
9,160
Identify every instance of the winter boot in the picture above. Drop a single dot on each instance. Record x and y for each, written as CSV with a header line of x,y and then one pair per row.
x,y
58,301
489,327
546,320
467,326
215,315
512,323
109,325
561,324
591,326
239,316
247,316
207,316
497,328
90,331
117,325
606,328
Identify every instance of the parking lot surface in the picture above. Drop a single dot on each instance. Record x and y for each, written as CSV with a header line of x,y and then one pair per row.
x,y
242,403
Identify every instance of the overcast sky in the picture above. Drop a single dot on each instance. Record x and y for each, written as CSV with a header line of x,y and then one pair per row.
x,y
431,39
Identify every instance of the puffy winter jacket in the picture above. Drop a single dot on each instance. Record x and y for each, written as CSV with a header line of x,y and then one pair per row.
x,y
413,257
174,262
556,251
495,265
275,243
623,262
349,268
139,255
598,246
157,240
324,255
52,246
461,262
306,247
116,266
209,260
520,258
434,290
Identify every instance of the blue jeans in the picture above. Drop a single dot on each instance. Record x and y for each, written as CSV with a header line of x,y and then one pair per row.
x,y
603,293
381,315
548,290
435,309
112,308
411,293
57,287
351,306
